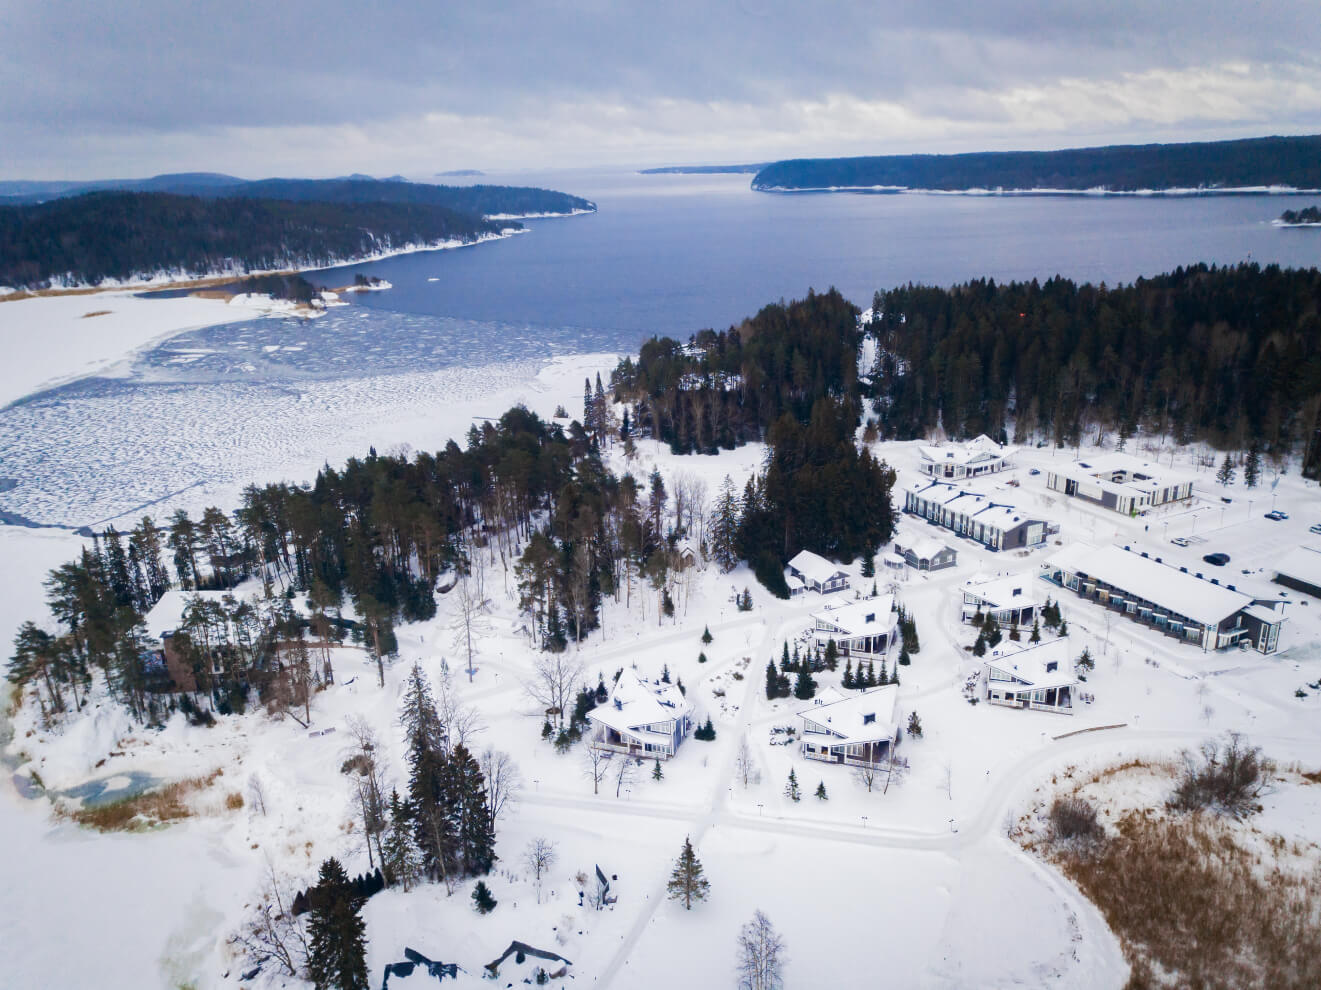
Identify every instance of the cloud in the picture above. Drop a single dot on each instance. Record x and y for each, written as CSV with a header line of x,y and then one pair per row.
x,y
320,88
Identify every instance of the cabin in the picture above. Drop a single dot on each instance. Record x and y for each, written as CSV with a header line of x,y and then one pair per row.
x,y
686,555
167,618
1011,600
956,461
922,553
640,718
1039,676
1178,603
861,730
1120,482
817,573
987,517
865,628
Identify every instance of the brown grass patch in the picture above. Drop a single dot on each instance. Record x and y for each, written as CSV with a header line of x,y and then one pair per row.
x,y
212,294
143,811
97,312
233,801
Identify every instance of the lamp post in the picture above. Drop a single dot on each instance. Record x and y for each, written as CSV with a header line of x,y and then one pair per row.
x,y
864,821
759,807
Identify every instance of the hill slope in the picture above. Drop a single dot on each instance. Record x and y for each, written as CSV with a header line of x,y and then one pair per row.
x,y
1251,163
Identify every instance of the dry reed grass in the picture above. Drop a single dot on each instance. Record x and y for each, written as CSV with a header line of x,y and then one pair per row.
x,y
141,812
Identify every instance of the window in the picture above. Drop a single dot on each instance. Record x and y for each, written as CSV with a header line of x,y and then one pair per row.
x,y
868,719
1052,667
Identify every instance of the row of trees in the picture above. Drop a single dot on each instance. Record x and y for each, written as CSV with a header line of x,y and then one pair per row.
x,y
1227,355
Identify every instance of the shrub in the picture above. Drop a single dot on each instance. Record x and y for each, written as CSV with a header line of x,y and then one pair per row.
x,y
1072,817
1226,777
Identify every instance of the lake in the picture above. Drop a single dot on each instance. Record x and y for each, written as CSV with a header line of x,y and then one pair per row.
x,y
199,415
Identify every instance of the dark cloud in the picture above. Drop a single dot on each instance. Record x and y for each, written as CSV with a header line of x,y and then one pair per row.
x,y
80,79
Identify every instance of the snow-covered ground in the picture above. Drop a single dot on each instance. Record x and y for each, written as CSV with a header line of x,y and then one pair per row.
x,y
908,886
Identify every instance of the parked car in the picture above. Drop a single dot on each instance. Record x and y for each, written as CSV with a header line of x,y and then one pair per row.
x,y
1035,471
1277,515
1181,541
1218,559
1314,529
1226,499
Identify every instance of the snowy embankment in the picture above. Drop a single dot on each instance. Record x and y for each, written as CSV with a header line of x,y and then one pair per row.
x,y
537,216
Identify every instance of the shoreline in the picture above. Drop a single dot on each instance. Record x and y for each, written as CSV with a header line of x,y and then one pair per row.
x,y
210,280
1098,192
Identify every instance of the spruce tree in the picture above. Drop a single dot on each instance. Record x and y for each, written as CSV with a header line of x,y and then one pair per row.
x,y
706,634
791,787
804,686
656,772
1252,466
772,681
1064,628
482,899
821,791
337,947
1226,473
701,658
904,658
725,528
402,866
848,674
686,881
1036,632
885,675
832,655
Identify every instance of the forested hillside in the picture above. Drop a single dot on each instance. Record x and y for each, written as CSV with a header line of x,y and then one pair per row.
x,y
1308,215
1229,355
1283,161
476,200
117,235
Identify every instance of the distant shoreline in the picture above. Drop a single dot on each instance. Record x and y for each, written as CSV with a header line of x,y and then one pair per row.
x,y
1097,193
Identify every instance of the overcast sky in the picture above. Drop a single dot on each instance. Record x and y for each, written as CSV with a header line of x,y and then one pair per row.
x,y
293,87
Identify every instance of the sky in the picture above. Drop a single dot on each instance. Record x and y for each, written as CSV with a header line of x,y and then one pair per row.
x,y
141,87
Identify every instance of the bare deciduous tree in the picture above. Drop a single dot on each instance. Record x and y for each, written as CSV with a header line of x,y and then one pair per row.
x,y
554,682
596,764
744,763
625,774
539,857
461,721
503,781
761,955
272,933
369,785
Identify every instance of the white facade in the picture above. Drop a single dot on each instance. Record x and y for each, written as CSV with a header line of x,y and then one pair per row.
x,y
865,628
955,461
1124,484
1038,676
641,719
860,730
1012,600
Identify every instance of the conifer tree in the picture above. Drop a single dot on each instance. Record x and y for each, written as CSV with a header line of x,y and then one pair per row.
x,y
1252,466
772,681
871,674
784,656
1226,473
337,949
656,772
725,528
885,674
1036,632
402,866
848,674
821,791
686,882
701,658
804,685
791,787
482,899
832,655
1064,628
706,635
904,658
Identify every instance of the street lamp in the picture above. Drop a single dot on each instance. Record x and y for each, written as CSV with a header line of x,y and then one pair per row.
x,y
864,821
759,807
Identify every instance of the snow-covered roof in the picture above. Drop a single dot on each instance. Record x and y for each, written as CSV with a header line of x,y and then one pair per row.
x,y
1031,664
865,717
814,566
634,703
1157,582
922,547
1143,476
861,618
1001,592
793,581
1265,613
990,508
167,614
1301,564
983,448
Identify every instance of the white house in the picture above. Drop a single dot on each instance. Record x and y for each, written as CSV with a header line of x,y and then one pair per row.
x,y
817,573
964,460
1117,481
1038,675
865,628
979,515
1012,600
641,719
860,730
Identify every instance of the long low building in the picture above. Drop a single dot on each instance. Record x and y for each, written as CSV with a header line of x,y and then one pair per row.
x,y
1125,484
957,461
982,516
1180,604
1300,569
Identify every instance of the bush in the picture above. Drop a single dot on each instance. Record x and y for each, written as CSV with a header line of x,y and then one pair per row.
x,y
1226,777
1072,817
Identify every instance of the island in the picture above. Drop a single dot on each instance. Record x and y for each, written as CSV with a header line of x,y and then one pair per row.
x,y
1308,216
1255,165
702,169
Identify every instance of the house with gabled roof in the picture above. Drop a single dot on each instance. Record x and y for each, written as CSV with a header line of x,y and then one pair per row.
x,y
858,731
956,461
641,718
1012,600
817,573
923,553
987,517
1038,675
866,628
